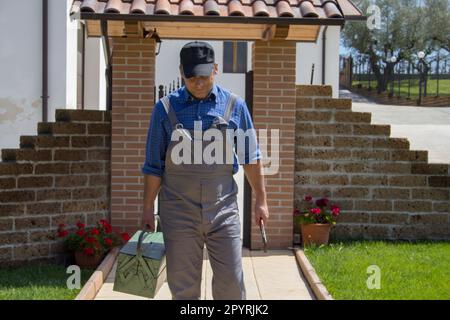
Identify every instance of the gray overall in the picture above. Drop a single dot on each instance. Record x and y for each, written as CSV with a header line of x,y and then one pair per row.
x,y
198,206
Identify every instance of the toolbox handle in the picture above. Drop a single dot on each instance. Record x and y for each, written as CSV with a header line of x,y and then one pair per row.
x,y
141,236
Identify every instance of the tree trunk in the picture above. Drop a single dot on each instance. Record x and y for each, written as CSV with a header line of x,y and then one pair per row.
x,y
383,79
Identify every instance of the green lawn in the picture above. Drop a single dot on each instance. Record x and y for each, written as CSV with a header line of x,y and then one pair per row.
x,y
444,87
46,282
408,270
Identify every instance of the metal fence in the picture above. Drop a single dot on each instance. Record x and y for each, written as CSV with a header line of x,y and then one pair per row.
x,y
163,90
421,78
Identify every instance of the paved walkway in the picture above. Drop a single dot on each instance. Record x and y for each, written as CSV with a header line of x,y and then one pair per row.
x,y
273,275
427,128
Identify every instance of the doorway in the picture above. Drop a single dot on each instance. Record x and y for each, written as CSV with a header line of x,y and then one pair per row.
x,y
234,75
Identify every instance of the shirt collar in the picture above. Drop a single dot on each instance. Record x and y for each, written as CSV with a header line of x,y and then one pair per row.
x,y
187,97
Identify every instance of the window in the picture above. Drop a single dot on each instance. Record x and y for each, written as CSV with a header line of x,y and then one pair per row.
x,y
234,57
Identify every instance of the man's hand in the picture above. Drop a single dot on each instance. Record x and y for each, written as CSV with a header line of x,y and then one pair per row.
x,y
261,212
255,176
148,219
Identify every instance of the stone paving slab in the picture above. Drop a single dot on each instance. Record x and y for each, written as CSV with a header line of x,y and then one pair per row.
x,y
272,275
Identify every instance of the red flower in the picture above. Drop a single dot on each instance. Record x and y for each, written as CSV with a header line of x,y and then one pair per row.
x,y
308,198
63,233
125,236
89,251
108,242
108,228
80,225
81,233
296,212
61,225
95,231
315,210
322,202
335,210
104,222
89,239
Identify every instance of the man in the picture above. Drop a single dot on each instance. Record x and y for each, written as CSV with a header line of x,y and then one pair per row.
x,y
198,200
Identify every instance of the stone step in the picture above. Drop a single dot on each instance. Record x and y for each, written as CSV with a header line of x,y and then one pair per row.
x,y
44,141
314,91
352,117
332,103
439,181
63,141
61,127
14,155
441,169
68,115
27,142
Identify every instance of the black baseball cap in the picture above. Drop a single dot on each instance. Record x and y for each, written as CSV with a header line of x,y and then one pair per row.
x,y
197,59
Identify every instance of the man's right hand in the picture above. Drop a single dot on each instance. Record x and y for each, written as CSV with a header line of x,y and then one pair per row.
x,y
148,219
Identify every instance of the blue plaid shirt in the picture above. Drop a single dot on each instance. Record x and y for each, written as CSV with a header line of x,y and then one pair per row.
x,y
188,109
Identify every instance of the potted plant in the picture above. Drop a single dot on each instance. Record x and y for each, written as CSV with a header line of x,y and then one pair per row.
x,y
316,219
90,245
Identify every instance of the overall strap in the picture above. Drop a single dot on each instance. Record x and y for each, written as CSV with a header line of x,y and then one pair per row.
x,y
170,112
230,107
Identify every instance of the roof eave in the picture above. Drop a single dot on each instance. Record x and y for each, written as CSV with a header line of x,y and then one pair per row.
x,y
355,18
210,19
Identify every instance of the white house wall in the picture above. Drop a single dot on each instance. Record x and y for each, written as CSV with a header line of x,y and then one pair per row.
x,y
102,77
332,58
311,53
94,77
21,67
71,31
20,70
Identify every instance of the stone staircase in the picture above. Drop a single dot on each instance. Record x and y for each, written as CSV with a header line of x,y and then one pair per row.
x,y
386,190
60,175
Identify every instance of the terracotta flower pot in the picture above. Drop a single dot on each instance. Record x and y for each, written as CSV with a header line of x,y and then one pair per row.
x,y
86,261
315,233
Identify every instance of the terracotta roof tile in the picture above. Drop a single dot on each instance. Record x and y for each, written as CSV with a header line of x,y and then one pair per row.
x,y
187,7
260,9
247,8
211,8
138,6
307,9
162,7
284,9
235,8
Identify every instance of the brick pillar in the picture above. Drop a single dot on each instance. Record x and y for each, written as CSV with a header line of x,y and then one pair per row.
x,y
132,102
274,108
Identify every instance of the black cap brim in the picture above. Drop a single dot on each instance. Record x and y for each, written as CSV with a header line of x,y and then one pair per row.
x,y
198,70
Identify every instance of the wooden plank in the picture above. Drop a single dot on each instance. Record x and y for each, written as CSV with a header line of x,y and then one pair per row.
x,y
212,31
116,28
191,30
303,32
93,28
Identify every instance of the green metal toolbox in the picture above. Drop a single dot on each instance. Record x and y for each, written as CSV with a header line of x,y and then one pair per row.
x,y
141,265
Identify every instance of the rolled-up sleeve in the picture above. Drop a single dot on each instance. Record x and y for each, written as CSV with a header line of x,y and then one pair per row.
x,y
251,152
156,144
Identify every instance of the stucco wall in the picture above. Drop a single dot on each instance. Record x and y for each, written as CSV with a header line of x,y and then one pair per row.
x,y
309,53
21,67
